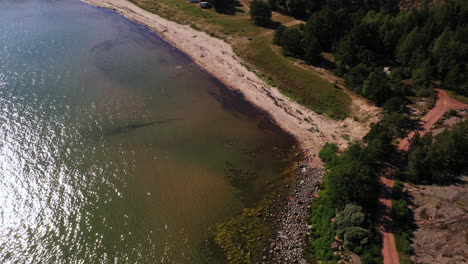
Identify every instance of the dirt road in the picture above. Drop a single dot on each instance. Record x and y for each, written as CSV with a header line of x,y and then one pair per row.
x,y
443,104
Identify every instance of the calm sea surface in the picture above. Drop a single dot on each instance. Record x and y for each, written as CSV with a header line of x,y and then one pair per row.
x,y
114,146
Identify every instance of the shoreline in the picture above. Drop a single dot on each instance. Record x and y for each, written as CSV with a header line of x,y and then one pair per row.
x,y
218,59
309,129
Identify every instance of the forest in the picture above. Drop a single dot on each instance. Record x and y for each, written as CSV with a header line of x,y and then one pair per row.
x,y
383,53
349,192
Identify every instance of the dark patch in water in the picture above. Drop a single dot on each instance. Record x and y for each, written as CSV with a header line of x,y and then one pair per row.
x,y
131,127
104,46
235,103
243,180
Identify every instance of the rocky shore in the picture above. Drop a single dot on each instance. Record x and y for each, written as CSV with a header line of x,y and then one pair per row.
x,y
291,226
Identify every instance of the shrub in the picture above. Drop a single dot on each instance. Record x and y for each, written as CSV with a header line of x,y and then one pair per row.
x,y
351,216
356,237
328,152
452,112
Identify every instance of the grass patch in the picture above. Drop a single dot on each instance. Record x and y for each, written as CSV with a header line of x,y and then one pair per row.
x,y
457,96
259,53
402,223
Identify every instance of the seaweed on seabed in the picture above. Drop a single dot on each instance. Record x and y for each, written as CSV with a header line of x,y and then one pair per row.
x,y
239,178
244,237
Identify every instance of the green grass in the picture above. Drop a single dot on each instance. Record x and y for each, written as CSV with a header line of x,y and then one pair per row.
x,y
260,54
403,245
403,228
457,96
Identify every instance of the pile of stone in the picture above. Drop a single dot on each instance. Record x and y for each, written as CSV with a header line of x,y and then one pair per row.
x,y
291,226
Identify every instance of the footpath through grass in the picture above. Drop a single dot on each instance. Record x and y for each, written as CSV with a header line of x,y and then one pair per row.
x,y
254,45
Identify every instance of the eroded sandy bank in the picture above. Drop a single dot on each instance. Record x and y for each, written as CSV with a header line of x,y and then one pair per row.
x,y
218,58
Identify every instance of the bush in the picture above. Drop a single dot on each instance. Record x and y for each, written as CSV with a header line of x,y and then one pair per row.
x,y
394,104
351,216
377,87
431,100
452,112
357,75
356,237
439,160
328,153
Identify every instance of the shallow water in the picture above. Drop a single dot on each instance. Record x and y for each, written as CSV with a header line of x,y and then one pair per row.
x,y
114,146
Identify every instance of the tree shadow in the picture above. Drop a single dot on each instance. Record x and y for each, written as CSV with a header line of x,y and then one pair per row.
x,y
273,25
443,179
230,8
322,62
326,64
405,109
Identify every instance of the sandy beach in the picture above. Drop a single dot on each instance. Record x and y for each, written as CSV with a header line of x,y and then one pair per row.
x,y
218,58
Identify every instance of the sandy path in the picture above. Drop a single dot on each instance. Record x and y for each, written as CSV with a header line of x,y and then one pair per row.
x,y
443,104
218,58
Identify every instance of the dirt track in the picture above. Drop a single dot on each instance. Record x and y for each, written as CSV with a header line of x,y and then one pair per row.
x,y
443,104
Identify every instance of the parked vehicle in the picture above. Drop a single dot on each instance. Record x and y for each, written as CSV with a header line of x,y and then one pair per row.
x,y
205,5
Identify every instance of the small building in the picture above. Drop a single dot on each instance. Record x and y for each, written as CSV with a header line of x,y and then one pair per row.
x,y
387,70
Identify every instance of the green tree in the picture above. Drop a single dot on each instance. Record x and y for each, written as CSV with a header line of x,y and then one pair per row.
x,y
357,75
447,155
278,35
273,4
439,51
312,49
292,42
377,87
350,216
260,12
352,180
323,26
356,237
417,153
394,104
400,214
408,44
296,8
453,78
